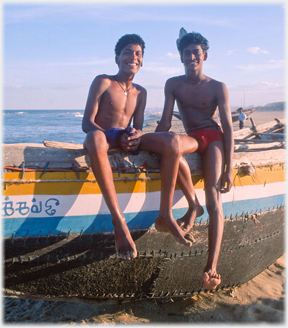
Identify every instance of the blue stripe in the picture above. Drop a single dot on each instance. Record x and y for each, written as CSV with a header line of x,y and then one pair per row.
x,y
140,220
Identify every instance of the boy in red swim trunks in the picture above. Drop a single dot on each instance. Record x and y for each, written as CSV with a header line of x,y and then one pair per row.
x,y
199,98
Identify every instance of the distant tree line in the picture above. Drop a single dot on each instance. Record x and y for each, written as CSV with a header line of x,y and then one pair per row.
x,y
273,106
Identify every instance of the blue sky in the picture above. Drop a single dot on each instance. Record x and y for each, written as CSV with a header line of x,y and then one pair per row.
x,y
52,52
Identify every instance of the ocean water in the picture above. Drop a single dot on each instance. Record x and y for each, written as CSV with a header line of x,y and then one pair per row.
x,y
35,126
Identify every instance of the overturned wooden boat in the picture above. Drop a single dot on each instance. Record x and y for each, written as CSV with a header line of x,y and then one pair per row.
x,y
58,235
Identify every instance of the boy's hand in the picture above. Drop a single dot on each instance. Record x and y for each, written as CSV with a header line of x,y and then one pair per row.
x,y
130,141
134,139
227,182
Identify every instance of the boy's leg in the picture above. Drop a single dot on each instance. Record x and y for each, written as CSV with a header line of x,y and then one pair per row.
x,y
213,165
167,145
97,147
184,181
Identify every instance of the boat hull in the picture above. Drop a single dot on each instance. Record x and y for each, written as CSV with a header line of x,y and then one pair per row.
x,y
86,266
59,239
62,203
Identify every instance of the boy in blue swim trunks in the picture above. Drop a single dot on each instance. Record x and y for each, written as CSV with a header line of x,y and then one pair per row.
x,y
199,98
113,101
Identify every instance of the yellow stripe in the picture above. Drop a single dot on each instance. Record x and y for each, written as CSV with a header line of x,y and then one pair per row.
x,y
264,175
124,184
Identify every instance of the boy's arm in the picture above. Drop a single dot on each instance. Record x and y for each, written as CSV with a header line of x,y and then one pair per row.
x,y
131,142
97,88
138,117
226,122
165,122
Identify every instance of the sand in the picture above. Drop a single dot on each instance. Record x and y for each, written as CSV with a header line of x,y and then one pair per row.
x,y
261,300
259,117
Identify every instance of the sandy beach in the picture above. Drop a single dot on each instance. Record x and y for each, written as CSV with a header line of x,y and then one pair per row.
x,y
259,117
261,300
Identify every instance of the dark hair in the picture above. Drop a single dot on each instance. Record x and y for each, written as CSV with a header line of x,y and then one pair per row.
x,y
195,38
126,39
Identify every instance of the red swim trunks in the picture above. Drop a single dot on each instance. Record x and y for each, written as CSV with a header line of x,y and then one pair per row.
x,y
205,137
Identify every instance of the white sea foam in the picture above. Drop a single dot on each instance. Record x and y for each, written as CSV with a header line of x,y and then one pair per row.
x,y
77,114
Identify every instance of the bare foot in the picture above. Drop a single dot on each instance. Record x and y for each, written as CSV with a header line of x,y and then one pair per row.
x,y
211,279
125,247
187,221
170,225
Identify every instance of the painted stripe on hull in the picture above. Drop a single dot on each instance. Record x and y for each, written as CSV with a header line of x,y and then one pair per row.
x,y
66,183
79,205
137,220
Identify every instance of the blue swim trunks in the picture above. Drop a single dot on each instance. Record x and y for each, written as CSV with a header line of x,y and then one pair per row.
x,y
113,137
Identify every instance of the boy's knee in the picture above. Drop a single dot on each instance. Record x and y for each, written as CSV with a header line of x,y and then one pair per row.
x,y
173,142
96,141
213,198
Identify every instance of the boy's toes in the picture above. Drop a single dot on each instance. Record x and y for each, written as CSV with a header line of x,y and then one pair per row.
x,y
133,254
180,223
127,255
121,254
211,280
205,278
189,237
187,242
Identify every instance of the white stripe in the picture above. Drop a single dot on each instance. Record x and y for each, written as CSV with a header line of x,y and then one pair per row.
x,y
254,192
92,204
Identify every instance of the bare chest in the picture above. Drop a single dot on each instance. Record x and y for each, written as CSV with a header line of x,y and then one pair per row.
x,y
116,108
197,96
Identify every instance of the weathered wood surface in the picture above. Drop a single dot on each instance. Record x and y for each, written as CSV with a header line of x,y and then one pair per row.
x,y
63,145
37,156
270,136
66,155
247,133
256,141
259,146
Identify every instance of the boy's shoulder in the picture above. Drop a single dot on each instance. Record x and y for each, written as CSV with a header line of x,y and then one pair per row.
x,y
139,87
176,79
183,79
104,77
102,81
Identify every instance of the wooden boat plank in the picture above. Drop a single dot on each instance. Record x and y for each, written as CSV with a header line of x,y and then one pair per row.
x,y
30,155
248,132
37,156
258,146
271,135
63,145
269,125
254,141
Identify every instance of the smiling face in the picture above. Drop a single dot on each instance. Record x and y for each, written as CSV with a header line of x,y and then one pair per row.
x,y
193,57
130,58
